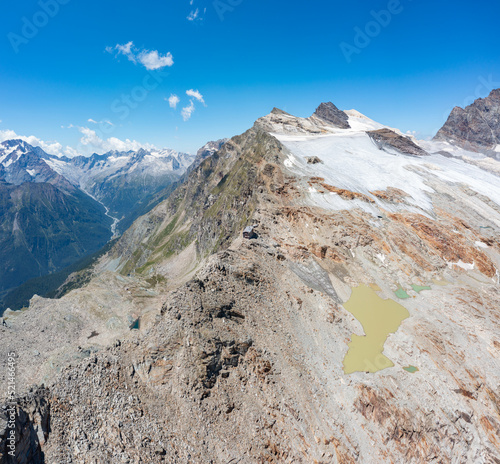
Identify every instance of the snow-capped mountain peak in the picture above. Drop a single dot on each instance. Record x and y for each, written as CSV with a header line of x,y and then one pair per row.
x,y
21,162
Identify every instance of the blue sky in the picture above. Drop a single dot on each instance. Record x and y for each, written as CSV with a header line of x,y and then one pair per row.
x,y
242,58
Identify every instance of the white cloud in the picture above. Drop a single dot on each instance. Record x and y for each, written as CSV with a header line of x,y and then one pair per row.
x,y
89,143
93,143
153,60
126,49
195,94
187,111
193,15
173,100
70,152
150,59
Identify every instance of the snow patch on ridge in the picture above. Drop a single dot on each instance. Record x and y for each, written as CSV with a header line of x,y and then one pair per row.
x,y
466,266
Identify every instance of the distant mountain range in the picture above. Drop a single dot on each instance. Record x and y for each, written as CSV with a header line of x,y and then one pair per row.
x,y
54,210
120,181
123,181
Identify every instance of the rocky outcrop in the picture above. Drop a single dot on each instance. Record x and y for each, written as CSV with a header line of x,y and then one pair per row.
x,y
346,194
388,140
24,429
330,113
391,194
475,127
326,119
206,151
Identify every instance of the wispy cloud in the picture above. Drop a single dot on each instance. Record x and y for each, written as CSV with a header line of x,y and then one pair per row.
x,y
193,15
195,94
173,100
126,49
104,121
187,111
150,59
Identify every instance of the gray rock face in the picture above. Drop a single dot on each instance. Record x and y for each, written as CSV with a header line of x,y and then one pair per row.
x,y
477,126
30,432
386,138
206,151
329,112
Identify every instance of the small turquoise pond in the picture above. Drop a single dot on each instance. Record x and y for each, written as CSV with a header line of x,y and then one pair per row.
x,y
411,369
401,294
419,288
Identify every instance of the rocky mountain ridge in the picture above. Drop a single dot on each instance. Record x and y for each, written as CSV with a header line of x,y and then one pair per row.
x,y
475,127
21,162
121,181
330,113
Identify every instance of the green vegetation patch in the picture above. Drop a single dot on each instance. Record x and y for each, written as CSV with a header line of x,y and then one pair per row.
x,y
167,231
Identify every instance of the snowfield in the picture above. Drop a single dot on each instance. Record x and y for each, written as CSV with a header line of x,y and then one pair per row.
x,y
351,161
